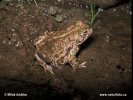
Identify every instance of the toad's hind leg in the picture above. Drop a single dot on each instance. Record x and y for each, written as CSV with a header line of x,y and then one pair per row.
x,y
45,66
75,63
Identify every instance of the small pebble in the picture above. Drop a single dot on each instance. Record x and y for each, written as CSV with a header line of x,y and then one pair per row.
x,y
59,0
69,3
13,30
86,7
9,42
59,18
130,12
81,6
52,10
114,10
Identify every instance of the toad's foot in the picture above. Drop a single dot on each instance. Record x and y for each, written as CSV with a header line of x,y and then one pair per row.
x,y
48,68
45,66
82,65
75,63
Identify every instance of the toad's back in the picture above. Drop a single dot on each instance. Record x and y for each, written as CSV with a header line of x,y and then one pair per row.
x,y
57,47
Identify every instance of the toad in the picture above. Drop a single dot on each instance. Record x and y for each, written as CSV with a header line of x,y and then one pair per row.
x,y
55,49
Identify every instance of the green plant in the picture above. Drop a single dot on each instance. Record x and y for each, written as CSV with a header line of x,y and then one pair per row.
x,y
29,2
21,2
93,13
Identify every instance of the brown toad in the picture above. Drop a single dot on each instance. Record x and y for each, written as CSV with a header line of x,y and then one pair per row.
x,y
58,48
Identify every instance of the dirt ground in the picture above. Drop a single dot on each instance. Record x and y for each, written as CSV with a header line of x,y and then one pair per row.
x,y
107,54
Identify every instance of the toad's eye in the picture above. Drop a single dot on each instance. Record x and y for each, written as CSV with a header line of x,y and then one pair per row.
x,y
85,31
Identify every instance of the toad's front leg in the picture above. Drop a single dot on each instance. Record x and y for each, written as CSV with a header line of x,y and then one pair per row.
x,y
43,63
75,63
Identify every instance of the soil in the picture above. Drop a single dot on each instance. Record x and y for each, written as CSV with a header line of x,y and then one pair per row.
x,y
107,54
